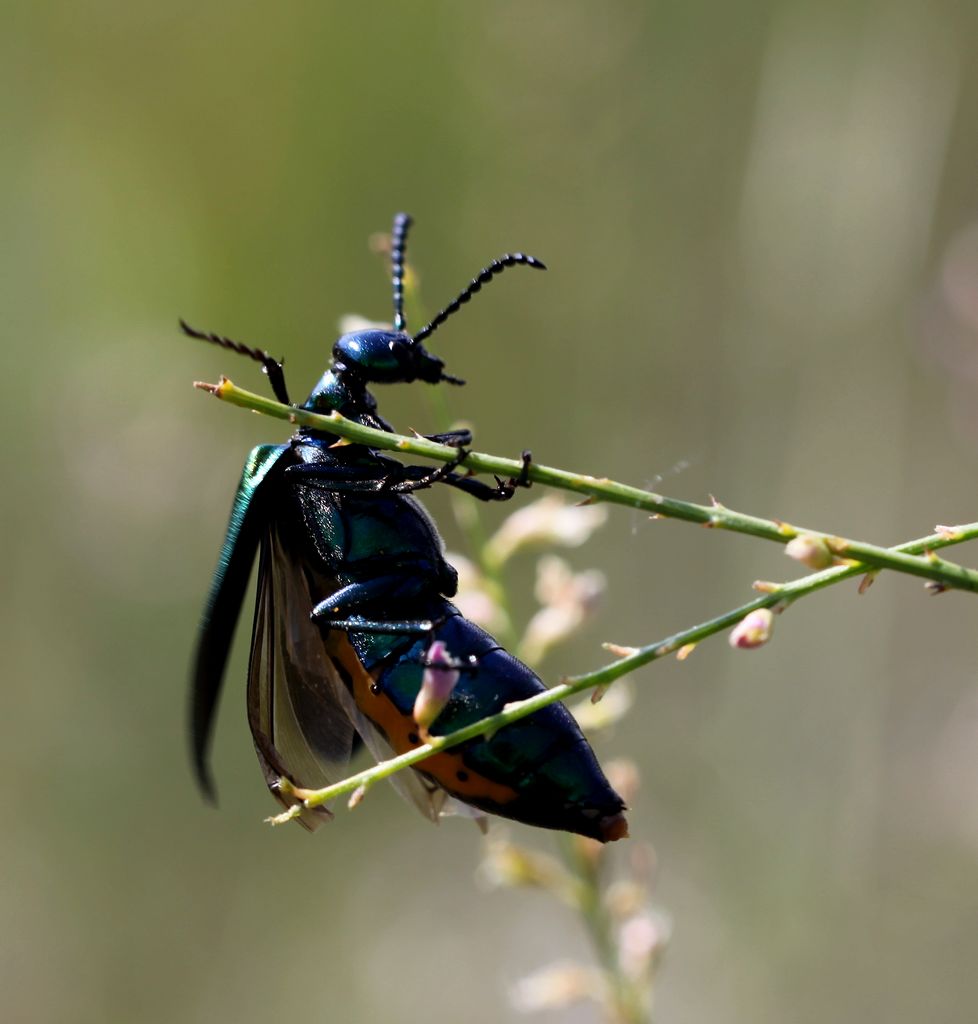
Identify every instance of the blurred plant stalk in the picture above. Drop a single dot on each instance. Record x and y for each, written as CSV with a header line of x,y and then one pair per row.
x,y
613,902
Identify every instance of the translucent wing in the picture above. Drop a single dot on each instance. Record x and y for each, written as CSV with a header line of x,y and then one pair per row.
x,y
412,787
296,711
303,718
416,788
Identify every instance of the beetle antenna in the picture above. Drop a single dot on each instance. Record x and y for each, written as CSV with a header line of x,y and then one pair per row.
x,y
272,367
510,259
402,222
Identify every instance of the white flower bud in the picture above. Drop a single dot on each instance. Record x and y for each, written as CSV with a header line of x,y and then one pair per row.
x,y
549,521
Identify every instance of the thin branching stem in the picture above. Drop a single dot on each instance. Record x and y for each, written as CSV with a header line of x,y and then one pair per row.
x,y
625,1001
779,597
914,557
921,563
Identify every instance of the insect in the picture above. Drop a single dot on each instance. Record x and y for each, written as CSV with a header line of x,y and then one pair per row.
x,y
353,591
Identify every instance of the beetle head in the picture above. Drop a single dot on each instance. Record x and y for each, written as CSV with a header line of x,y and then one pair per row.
x,y
388,357
394,356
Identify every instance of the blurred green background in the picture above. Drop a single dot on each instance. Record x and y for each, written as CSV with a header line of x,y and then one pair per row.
x,y
761,221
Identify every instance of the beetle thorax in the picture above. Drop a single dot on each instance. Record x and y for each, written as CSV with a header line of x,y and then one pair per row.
x,y
340,391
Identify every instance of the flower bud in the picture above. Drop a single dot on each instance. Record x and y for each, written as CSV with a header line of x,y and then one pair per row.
x,y
558,987
620,650
753,630
508,865
640,941
568,598
437,683
809,550
549,521
625,898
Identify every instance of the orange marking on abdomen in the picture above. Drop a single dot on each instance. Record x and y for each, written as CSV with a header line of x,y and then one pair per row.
x,y
401,732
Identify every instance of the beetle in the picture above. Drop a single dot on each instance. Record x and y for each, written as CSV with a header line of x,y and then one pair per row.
x,y
354,591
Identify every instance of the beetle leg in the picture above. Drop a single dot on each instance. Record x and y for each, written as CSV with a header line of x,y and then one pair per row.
x,y
272,367
523,480
397,479
407,627
454,438
359,624
427,477
504,489
355,596
363,479
394,590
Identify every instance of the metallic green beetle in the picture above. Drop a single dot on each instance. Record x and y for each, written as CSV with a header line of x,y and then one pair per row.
x,y
353,591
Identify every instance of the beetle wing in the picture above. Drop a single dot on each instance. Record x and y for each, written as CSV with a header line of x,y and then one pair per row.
x,y
422,793
416,787
296,710
224,604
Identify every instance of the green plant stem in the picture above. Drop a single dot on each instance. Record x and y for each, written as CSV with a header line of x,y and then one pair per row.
x,y
903,558
947,574
778,597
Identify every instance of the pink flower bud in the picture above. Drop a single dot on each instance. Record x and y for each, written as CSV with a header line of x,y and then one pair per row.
x,y
810,551
753,630
640,941
437,684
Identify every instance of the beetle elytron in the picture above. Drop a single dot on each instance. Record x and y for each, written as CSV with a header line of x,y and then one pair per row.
x,y
353,590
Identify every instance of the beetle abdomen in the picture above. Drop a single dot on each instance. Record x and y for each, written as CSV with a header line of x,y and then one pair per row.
x,y
539,770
